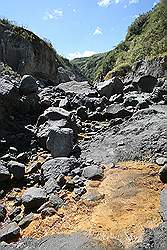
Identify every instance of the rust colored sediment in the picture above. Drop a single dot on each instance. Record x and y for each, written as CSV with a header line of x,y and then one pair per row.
x,y
130,203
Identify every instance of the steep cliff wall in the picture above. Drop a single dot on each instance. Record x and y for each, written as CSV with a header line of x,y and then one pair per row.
x,y
26,53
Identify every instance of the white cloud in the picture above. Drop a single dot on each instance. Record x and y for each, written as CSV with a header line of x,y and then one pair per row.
x,y
98,31
107,3
104,3
78,54
74,10
133,1
53,14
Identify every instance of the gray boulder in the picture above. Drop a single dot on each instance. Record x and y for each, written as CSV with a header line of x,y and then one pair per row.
x,y
54,114
110,87
33,198
44,129
60,141
55,201
116,111
51,118
83,88
58,166
9,232
17,169
93,172
28,85
51,186
4,173
163,204
3,212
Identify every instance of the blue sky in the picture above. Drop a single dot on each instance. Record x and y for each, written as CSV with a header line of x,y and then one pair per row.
x,y
77,27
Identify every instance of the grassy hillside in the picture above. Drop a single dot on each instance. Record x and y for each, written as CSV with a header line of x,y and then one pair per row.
x,y
146,38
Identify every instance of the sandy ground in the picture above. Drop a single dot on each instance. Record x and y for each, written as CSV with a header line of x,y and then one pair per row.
x,y
127,202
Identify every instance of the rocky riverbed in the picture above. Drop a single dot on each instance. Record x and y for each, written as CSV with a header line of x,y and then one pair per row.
x,y
87,164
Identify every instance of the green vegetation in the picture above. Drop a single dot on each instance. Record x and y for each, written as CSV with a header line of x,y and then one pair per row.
x,y
146,39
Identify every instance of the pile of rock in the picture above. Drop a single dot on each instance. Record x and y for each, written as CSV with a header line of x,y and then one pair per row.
x,y
46,121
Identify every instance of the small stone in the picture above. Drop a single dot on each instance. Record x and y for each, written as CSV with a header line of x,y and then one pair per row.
x,y
78,192
76,171
93,172
56,201
161,161
49,211
93,196
7,157
70,185
18,218
51,186
2,193
34,168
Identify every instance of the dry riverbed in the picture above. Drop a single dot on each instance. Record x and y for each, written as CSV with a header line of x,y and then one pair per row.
x,y
125,202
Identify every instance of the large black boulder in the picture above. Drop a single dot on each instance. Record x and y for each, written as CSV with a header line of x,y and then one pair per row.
x,y
145,83
28,85
110,87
